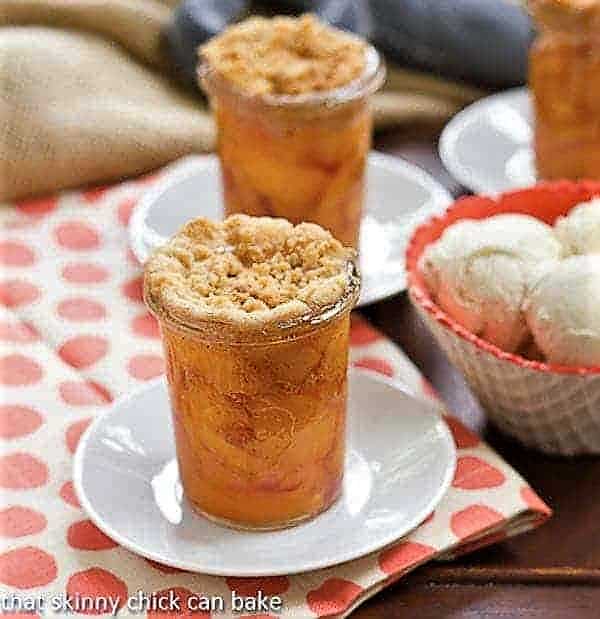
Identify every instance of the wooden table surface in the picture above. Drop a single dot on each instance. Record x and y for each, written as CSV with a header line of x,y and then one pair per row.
x,y
550,573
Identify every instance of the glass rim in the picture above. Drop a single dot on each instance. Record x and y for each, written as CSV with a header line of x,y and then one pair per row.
x,y
366,84
220,331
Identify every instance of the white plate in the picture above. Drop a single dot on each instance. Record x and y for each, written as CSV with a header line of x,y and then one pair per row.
x,y
400,462
488,147
400,196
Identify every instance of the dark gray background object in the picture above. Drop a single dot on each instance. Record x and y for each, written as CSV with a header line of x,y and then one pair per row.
x,y
482,42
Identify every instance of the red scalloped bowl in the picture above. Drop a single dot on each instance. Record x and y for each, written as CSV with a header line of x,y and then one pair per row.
x,y
546,201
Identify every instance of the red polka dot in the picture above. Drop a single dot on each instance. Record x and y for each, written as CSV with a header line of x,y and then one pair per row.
x,y
74,432
84,273
15,254
77,236
463,437
19,332
37,208
377,365
145,367
82,351
125,210
334,596
165,569
182,595
94,194
17,293
19,521
249,587
20,471
534,502
19,371
362,333
28,567
16,420
84,393
97,583
80,309
134,289
473,520
145,325
85,535
403,556
476,474
261,616
68,495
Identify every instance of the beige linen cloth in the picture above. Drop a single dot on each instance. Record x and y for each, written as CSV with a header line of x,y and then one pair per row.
x,y
85,95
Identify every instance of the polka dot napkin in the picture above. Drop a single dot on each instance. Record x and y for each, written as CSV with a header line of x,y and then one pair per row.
x,y
74,335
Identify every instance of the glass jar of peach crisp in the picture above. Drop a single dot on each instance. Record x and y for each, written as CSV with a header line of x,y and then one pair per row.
x,y
254,315
290,97
564,75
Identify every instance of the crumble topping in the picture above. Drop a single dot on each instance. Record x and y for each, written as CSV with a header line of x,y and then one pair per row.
x,y
247,270
286,55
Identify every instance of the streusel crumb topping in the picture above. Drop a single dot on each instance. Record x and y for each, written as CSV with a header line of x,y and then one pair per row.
x,y
247,270
286,55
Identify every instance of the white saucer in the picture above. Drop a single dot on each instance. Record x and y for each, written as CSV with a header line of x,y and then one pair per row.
x,y
401,460
400,196
488,146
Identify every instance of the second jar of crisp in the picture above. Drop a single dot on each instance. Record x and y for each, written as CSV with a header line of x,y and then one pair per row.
x,y
293,142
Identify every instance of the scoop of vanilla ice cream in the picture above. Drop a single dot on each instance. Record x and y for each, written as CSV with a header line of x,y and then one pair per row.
x,y
563,312
579,231
479,272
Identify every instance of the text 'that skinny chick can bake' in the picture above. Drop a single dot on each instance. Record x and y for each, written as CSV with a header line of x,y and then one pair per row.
x,y
254,315
290,97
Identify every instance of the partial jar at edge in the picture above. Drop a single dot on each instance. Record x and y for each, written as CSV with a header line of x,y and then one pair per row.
x,y
564,76
301,157
260,421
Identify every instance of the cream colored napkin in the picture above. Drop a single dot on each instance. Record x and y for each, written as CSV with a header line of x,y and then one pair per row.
x,y
85,95
81,335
